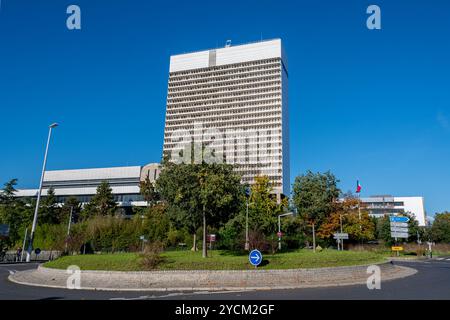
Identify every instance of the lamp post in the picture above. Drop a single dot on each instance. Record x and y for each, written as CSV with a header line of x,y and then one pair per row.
x,y
247,242
33,228
279,227
68,226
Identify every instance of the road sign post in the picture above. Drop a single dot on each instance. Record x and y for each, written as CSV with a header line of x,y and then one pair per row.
x,y
340,237
399,230
255,258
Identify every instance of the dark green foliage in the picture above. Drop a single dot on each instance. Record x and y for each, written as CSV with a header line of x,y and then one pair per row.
x,y
49,212
15,213
314,195
102,203
191,189
440,230
149,192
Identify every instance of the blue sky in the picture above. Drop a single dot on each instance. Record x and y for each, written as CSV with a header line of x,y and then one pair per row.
x,y
368,105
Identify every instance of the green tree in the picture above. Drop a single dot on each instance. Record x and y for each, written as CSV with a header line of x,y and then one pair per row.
x,y
49,212
199,194
71,204
314,196
7,196
14,212
148,191
102,203
178,187
440,230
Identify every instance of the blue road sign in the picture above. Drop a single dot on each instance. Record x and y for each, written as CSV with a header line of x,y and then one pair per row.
x,y
255,257
398,219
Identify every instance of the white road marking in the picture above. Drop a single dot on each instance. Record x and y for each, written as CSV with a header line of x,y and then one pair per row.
x,y
12,271
179,294
448,259
440,259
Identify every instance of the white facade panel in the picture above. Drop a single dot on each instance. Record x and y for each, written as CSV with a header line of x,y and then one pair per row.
x,y
189,61
249,52
93,174
415,205
228,55
78,191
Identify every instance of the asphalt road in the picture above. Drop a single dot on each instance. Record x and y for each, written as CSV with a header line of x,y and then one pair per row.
x,y
431,282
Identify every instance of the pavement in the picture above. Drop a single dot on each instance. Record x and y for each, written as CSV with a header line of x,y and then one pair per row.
x,y
430,283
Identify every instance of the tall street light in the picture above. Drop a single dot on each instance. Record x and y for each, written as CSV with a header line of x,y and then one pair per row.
x,y
247,242
33,228
279,227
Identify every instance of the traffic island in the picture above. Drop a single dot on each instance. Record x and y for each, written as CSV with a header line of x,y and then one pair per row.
x,y
207,280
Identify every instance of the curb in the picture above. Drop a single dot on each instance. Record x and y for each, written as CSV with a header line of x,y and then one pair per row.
x,y
404,272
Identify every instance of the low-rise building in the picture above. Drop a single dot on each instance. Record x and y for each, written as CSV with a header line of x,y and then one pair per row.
x,y
82,183
381,205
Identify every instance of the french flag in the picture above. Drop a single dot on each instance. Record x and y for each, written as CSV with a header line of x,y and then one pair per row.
x,y
358,187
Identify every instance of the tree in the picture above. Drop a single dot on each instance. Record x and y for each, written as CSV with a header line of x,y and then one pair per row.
x,y
49,210
347,210
102,203
440,230
264,209
220,195
314,195
196,193
177,187
71,204
7,196
13,212
148,191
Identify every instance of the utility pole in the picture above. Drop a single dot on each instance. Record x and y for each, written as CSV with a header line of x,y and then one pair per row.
x,y
33,228
247,241
341,240
279,227
68,226
204,250
24,244
314,238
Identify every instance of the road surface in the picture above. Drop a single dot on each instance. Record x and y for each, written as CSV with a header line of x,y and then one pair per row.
x,y
432,281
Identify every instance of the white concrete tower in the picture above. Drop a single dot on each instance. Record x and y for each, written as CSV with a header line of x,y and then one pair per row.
x,y
234,99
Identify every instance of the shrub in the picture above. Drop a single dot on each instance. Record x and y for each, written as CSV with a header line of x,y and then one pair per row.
x,y
151,257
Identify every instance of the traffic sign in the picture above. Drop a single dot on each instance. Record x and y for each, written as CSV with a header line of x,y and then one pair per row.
x,y
399,224
343,236
4,230
37,251
397,229
398,219
255,257
279,234
397,248
399,235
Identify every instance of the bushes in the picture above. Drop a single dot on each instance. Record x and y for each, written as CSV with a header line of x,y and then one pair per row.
x,y
151,257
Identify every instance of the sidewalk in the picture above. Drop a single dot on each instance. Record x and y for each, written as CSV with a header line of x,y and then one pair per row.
x,y
209,280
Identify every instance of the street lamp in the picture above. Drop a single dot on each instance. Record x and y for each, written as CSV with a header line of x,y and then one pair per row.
x,y
247,242
279,227
33,228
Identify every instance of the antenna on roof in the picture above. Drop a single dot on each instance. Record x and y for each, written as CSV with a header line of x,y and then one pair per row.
x,y
228,44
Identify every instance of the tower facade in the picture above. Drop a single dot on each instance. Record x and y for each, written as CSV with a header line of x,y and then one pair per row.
x,y
231,105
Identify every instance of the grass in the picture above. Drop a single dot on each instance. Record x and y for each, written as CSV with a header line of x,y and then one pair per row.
x,y
220,260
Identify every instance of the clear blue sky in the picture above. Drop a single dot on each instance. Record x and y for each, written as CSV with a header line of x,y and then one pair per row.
x,y
367,105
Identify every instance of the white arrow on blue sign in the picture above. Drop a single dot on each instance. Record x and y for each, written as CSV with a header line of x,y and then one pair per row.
x,y
398,219
255,257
